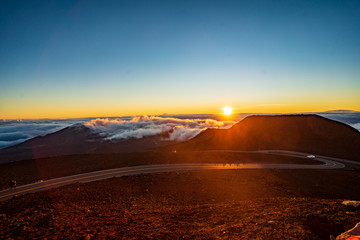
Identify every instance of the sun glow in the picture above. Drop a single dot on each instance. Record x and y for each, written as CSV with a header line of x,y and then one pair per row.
x,y
227,110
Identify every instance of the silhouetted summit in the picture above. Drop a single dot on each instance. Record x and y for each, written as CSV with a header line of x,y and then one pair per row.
x,y
303,133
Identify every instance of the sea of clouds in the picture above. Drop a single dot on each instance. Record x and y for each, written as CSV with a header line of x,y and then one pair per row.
x,y
176,127
13,132
143,126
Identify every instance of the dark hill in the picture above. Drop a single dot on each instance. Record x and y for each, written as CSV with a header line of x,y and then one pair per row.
x,y
303,133
70,140
76,139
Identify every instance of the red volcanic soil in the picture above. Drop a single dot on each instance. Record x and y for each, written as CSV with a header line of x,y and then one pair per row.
x,y
250,204
302,133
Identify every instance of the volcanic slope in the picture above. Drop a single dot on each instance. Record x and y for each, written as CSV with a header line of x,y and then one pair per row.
x,y
302,133
77,139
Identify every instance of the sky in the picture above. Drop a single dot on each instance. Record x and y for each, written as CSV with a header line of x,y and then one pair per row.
x,y
71,59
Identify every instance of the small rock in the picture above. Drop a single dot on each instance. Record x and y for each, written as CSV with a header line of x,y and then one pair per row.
x,y
350,213
354,204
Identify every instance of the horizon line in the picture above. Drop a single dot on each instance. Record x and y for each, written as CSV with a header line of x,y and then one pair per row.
x,y
181,114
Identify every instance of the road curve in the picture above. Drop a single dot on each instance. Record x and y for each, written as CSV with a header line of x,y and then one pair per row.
x,y
328,163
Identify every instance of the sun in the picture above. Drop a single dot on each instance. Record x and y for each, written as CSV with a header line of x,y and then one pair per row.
x,y
227,110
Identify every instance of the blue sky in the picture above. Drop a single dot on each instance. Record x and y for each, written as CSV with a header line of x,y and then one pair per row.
x,y
96,58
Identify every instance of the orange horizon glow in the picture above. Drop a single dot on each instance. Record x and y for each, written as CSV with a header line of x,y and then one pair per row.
x,y
63,112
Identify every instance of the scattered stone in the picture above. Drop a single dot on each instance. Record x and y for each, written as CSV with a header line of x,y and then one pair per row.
x,y
354,204
350,213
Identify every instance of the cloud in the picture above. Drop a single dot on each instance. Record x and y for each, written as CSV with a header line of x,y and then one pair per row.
x,y
181,133
175,129
356,126
12,136
13,132
171,127
350,118
179,128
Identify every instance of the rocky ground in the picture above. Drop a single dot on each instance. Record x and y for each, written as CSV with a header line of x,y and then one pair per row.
x,y
226,204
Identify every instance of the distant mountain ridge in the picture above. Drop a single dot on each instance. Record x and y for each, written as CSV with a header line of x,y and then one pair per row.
x,y
341,111
304,133
77,139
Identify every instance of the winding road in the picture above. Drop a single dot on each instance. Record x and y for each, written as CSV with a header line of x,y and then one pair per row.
x,y
327,163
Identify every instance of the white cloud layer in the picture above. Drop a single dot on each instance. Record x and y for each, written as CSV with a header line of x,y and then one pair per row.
x,y
13,132
175,129
356,126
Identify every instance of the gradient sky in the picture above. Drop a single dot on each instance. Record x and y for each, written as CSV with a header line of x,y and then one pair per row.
x,y
61,59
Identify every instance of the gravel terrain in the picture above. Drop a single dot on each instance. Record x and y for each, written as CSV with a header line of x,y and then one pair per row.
x,y
250,204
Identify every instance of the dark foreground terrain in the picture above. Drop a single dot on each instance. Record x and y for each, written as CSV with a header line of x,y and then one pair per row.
x,y
29,171
223,204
